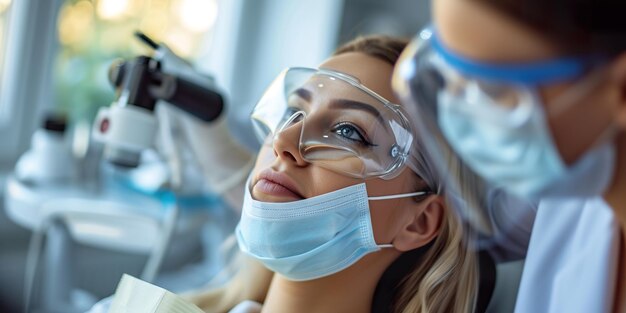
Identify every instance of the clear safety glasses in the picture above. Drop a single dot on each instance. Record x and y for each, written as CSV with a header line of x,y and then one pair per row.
x,y
498,93
341,124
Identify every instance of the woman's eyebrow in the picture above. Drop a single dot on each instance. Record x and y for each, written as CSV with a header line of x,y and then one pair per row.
x,y
304,94
356,105
307,96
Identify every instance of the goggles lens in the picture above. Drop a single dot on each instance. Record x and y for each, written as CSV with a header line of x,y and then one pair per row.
x,y
436,86
342,125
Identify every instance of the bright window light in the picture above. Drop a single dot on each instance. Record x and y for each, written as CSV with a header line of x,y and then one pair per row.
x,y
4,5
112,9
197,15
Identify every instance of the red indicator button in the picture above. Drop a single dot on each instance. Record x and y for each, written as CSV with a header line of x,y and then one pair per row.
x,y
104,125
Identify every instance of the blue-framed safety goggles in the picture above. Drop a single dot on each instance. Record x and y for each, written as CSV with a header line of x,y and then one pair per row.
x,y
524,73
505,92
490,94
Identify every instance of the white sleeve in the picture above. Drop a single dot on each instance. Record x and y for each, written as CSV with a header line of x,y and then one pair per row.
x,y
225,163
102,306
512,220
247,307
188,143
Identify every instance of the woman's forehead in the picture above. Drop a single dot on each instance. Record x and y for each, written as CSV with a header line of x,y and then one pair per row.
x,y
372,72
322,88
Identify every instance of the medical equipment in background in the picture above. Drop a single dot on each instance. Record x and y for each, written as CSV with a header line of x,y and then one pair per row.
x,y
63,207
129,125
49,158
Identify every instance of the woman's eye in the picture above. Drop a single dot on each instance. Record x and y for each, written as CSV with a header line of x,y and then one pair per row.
x,y
352,133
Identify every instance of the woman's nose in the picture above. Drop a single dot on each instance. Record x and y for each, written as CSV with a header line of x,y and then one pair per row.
x,y
287,143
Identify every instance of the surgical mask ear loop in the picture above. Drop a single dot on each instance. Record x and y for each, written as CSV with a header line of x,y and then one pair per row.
x,y
402,195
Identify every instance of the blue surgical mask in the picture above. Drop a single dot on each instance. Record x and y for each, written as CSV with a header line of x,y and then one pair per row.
x,y
310,238
521,156
492,117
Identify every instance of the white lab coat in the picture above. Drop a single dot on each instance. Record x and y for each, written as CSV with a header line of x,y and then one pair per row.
x,y
572,258
102,306
243,307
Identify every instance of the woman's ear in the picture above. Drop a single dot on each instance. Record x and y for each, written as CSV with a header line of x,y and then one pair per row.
x,y
422,225
618,75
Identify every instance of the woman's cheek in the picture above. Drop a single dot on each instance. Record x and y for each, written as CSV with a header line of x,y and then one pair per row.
x,y
264,159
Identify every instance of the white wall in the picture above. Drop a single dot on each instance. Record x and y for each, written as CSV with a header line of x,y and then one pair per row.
x,y
25,85
256,39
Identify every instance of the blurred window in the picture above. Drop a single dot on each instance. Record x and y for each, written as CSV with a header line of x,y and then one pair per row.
x,y
93,33
5,6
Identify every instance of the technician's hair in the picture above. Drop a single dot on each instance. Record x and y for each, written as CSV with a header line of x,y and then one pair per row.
x,y
578,26
446,278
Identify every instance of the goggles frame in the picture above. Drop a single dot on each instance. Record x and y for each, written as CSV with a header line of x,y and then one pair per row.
x,y
402,128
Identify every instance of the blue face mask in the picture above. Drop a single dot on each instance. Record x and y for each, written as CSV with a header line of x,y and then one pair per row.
x,y
310,238
493,118
523,158
502,132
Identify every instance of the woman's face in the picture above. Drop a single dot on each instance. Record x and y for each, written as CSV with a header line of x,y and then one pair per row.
x,y
473,29
282,175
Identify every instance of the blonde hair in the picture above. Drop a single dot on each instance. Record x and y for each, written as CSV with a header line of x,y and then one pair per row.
x,y
445,279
